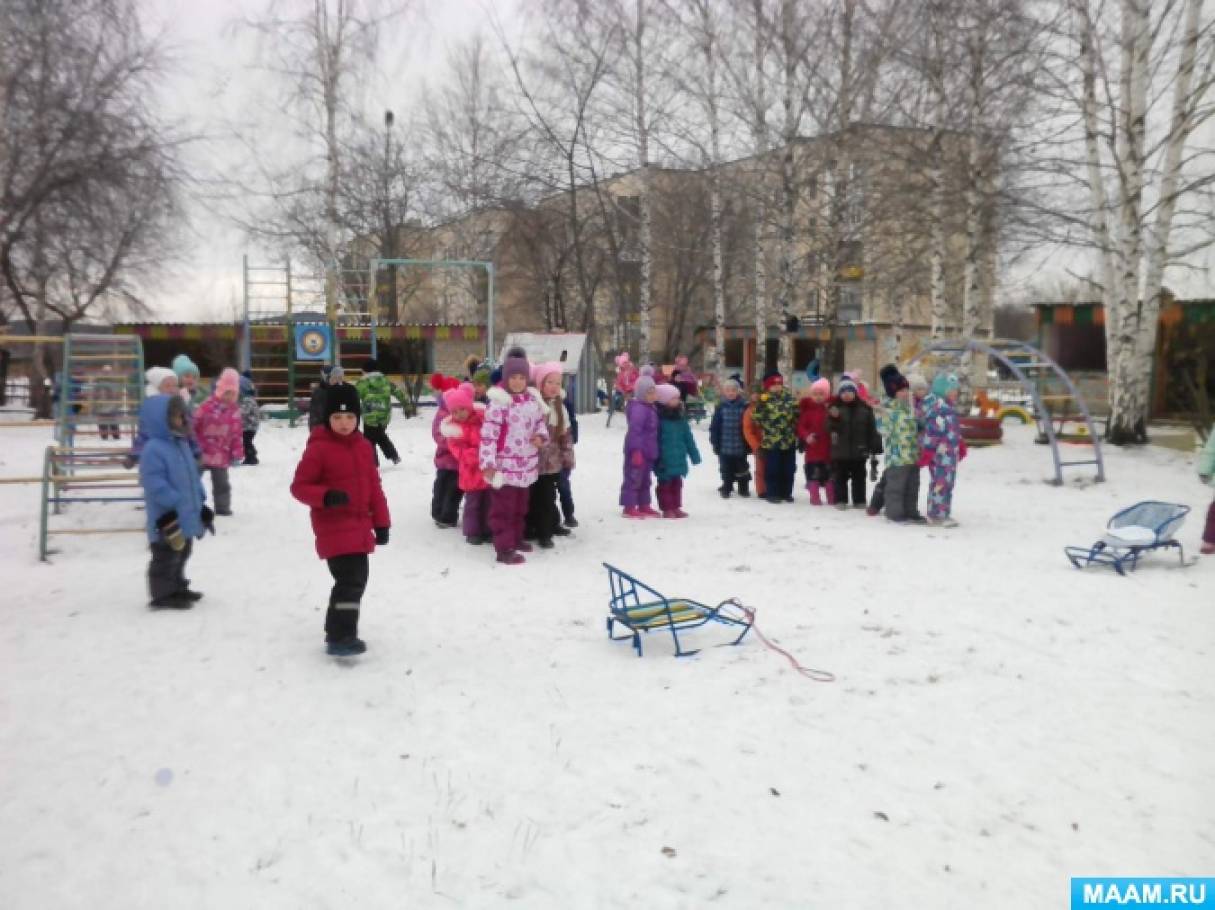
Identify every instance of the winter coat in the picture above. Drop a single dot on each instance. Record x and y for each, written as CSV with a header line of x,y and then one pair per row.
x,y
642,435
853,430
105,397
464,444
510,423
168,472
626,379
776,415
726,427
444,460
558,453
942,437
752,432
571,416
676,444
250,417
1206,459
217,425
376,394
346,463
900,433
812,419
687,385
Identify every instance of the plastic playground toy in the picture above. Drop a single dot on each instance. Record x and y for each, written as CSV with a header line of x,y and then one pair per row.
x,y
1140,529
640,608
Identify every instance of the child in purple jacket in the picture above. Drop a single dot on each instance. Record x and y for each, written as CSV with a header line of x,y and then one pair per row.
x,y
640,449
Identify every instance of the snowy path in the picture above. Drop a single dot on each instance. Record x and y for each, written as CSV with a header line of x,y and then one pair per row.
x,y
1001,722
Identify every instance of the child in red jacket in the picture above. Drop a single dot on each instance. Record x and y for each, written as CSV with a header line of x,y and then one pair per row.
x,y
462,430
337,477
812,432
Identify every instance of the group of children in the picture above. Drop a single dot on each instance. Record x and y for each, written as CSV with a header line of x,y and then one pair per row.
x,y
504,447
839,435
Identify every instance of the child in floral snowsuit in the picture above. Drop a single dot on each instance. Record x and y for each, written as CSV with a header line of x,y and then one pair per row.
x,y
942,442
511,436
218,428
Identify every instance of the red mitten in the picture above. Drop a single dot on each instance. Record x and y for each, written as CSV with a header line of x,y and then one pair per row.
x,y
638,459
961,449
925,459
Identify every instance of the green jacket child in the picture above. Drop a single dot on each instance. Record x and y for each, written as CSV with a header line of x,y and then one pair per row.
x,y
376,394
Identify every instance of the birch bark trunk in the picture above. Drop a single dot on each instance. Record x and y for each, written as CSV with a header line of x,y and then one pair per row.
x,y
645,235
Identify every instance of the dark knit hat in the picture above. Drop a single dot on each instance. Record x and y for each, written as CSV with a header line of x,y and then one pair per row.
x,y
516,364
892,380
342,398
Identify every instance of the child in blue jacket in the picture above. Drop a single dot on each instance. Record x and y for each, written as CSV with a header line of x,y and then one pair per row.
x,y
174,499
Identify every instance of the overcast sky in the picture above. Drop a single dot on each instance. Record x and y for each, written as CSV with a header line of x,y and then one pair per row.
x,y
215,83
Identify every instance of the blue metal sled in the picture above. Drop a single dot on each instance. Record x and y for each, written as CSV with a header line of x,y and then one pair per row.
x,y
640,608
1134,531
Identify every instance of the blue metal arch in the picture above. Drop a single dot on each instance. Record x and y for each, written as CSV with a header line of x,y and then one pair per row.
x,y
1000,349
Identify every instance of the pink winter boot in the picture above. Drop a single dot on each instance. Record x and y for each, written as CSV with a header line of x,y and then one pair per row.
x,y
830,493
816,498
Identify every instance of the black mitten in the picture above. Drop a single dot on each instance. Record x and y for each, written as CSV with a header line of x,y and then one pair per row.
x,y
170,530
381,536
208,518
335,498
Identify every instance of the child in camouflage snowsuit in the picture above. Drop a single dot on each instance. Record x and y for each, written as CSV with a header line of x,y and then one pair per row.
x,y
776,414
250,417
375,395
896,421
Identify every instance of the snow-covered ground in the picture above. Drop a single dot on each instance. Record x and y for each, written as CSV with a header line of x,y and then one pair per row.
x,y
1000,723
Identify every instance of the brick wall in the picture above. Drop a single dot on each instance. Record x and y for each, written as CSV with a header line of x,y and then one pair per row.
x,y
450,354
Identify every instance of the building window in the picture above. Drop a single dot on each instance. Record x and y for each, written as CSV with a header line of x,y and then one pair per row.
x,y
854,197
850,303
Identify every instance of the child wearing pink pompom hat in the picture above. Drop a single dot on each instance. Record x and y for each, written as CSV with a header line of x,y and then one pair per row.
x,y
219,431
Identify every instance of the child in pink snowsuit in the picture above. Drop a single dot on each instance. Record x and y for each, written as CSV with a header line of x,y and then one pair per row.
x,y
219,431
513,430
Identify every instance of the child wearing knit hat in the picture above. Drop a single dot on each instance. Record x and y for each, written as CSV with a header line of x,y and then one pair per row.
x,y
899,488
220,434
815,437
554,456
192,392
776,415
337,478
640,449
511,436
755,440
462,430
942,442
728,441
854,439
376,393
676,446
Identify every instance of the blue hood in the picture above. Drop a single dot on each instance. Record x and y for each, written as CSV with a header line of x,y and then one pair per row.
x,y
154,417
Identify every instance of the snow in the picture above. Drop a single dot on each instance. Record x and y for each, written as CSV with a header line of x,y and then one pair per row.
x,y
1000,723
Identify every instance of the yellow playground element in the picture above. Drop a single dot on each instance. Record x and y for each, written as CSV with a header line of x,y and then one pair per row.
x,y
990,407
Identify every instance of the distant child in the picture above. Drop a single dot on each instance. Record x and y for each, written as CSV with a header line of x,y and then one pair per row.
x,y
555,455
776,415
676,447
250,418
900,483
217,425
338,480
943,443
331,375
729,443
755,441
174,500
854,439
107,400
462,430
193,392
815,436
511,436
1206,471
376,393
640,449
445,494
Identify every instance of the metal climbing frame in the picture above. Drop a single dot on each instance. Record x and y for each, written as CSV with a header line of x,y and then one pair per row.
x,y
83,475
102,384
1032,368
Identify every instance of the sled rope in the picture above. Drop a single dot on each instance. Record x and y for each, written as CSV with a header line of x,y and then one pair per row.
x,y
808,672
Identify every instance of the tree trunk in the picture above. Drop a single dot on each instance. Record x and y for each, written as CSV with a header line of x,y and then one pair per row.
x,y
938,252
760,129
643,155
788,190
717,358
